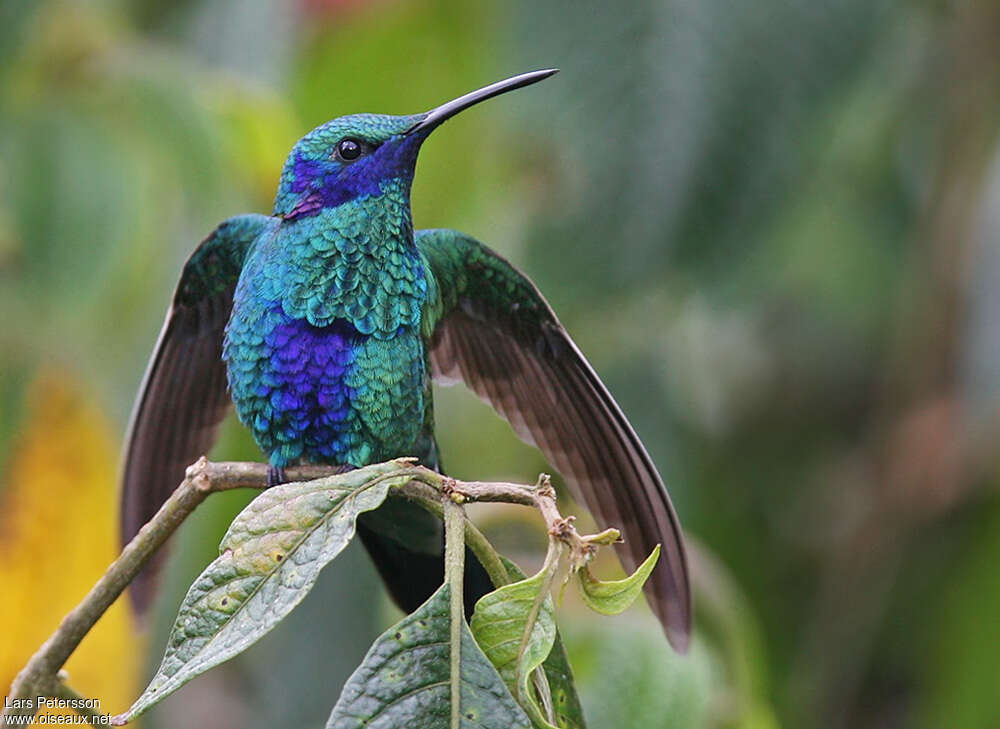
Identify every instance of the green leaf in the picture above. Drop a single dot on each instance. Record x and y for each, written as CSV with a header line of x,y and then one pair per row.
x,y
269,560
611,598
405,679
562,686
501,623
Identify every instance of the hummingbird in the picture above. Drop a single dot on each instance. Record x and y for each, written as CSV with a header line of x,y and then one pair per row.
x,y
326,322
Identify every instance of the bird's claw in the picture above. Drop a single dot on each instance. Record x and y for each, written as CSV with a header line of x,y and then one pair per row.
x,y
275,476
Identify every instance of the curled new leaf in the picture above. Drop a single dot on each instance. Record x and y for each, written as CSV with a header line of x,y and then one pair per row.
x,y
515,626
562,688
269,560
611,598
404,680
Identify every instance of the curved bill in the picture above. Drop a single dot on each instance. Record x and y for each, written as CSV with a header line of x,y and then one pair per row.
x,y
435,116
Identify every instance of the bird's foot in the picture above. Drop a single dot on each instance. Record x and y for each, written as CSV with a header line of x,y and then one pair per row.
x,y
275,476
344,468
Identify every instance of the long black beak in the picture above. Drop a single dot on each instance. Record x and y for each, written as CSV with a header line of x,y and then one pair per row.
x,y
435,116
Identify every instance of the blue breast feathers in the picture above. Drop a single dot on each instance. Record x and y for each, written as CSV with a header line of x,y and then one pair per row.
x,y
287,379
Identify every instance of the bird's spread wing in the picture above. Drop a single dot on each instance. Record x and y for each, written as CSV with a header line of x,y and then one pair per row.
x,y
183,398
491,328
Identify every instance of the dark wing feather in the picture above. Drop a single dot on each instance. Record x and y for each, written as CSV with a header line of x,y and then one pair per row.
x,y
493,330
182,398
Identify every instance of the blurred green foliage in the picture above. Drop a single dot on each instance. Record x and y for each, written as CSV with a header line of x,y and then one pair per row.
x,y
774,227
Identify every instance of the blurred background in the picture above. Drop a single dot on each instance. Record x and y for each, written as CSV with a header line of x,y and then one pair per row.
x,y
774,227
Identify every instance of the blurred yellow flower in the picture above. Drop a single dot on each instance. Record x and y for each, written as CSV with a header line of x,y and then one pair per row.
x,y
58,533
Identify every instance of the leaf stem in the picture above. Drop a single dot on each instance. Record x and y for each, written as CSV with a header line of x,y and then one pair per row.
x,y
429,498
454,566
549,568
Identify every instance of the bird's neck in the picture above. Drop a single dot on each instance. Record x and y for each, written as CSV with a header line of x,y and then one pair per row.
x,y
356,261
373,228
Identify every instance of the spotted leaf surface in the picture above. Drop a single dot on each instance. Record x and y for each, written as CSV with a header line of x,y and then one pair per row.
x,y
405,680
268,561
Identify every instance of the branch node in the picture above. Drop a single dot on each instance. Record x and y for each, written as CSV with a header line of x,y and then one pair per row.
x,y
544,488
562,527
197,474
196,468
450,489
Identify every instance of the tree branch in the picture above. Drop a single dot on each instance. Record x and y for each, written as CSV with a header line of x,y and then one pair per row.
x,y
41,675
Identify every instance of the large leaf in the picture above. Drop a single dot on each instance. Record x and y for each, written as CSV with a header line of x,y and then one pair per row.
x,y
269,560
405,679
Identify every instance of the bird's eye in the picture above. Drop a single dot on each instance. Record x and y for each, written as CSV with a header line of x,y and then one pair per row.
x,y
349,149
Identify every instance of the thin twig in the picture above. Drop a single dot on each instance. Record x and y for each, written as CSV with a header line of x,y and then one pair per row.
x,y
541,496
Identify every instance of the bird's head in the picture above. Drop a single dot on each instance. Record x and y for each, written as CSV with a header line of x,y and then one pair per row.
x,y
366,154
